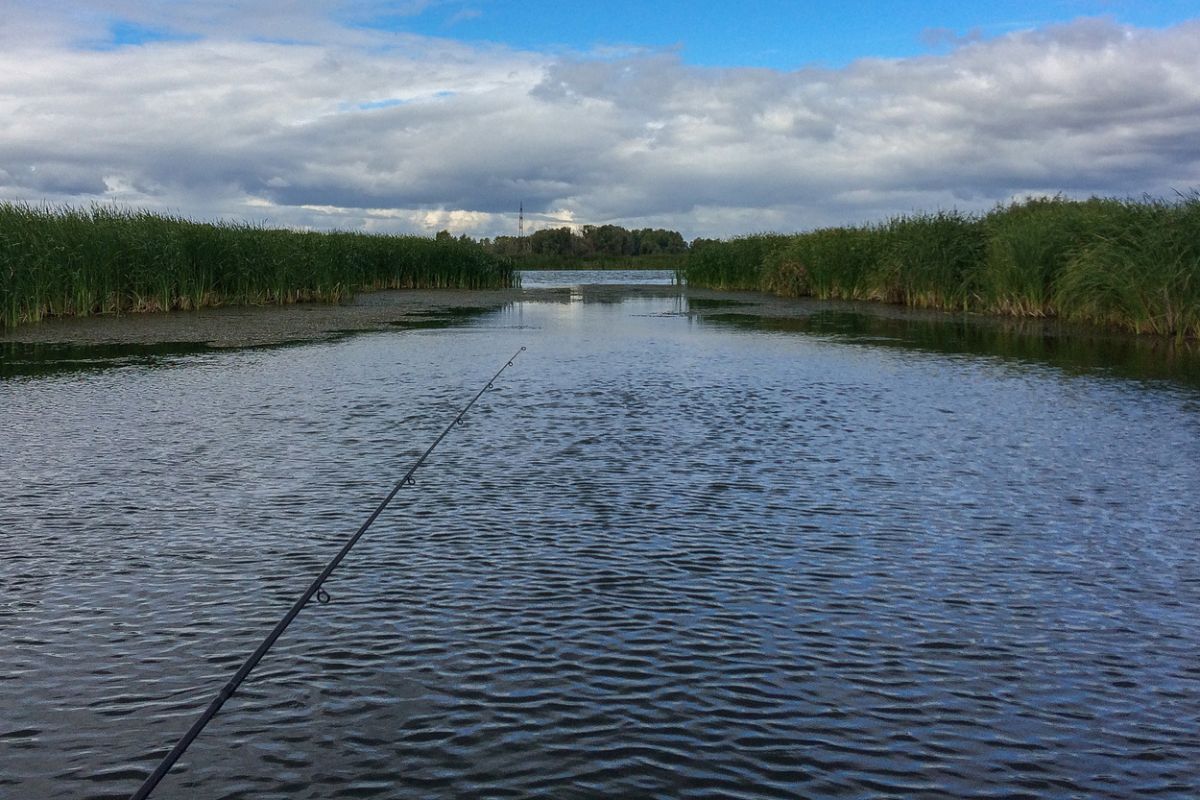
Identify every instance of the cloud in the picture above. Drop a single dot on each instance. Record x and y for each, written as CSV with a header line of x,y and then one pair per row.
x,y
326,125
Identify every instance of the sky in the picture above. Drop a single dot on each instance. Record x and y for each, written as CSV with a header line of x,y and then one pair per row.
x,y
413,116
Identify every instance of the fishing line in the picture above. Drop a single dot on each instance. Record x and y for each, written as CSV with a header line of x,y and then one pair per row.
x,y
314,588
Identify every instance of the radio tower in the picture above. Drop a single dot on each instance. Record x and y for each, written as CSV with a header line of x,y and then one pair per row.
x,y
521,229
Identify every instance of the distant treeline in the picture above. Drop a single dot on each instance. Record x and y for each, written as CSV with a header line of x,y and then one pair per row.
x,y
589,247
590,241
71,261
1132,264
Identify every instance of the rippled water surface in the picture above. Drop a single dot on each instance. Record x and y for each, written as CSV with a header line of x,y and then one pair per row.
x,y
671,556
568,278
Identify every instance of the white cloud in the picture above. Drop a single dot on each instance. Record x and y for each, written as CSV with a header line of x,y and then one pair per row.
x,y
357,129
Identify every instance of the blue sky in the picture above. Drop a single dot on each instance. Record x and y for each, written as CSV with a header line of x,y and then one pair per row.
x,y
761,33
419,115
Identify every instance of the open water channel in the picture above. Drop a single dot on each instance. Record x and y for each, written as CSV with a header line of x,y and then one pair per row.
x,y
680,552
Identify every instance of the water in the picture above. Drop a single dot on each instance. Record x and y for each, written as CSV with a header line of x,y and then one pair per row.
x,y
567,278
672,556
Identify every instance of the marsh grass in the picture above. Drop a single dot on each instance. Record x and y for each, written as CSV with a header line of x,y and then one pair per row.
x,y
1143,276
832,263
57,261
733,264
928,261
1131,264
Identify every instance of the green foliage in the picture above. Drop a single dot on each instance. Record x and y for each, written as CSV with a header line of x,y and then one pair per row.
x,y
591,242
1130,264
927,260
1028,245
58,261
655,261
831,263
1143,275
734,264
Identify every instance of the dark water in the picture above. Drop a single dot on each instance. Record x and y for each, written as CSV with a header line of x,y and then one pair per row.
x,y
671,557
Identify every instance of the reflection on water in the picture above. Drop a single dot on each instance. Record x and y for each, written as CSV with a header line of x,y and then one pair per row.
x,y
569,278
675,554
20,359
436,318
1074,350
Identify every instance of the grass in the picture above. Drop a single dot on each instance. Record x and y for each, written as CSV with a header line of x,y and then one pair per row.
x,y
734,264
1143,275
1129,264
105,260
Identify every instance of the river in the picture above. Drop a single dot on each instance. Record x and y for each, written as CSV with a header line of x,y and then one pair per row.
x,y
680,551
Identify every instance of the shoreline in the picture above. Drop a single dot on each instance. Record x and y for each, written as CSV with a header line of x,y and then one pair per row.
x,y
255,325
80,343
391,309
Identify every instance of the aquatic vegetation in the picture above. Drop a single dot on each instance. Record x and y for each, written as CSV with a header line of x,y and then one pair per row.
x,y
733,264
102,259
1143,276
832,263
1131,264
928,260
1028,244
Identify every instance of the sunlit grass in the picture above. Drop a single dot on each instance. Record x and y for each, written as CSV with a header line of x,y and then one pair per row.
x,y
101,260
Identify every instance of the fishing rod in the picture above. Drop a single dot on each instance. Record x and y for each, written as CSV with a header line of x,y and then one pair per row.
x,y
314,588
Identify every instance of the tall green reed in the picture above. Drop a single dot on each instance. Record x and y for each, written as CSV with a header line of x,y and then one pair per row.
x,y
103,259
733,264
831,263
1124,263
1028,245
928,260
1143,275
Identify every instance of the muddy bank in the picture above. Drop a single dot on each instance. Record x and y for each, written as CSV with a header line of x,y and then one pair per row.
x,y
247,326
250,326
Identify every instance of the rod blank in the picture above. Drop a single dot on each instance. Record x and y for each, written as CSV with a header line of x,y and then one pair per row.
x,y
314,588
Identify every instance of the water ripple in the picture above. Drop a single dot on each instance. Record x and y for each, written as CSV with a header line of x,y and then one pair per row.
x,y
665,560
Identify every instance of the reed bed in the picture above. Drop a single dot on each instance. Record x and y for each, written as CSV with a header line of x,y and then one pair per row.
x,y
734,264
57,261
1129,264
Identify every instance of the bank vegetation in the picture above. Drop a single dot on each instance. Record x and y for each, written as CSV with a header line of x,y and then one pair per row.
x,y
59,261
1129,264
